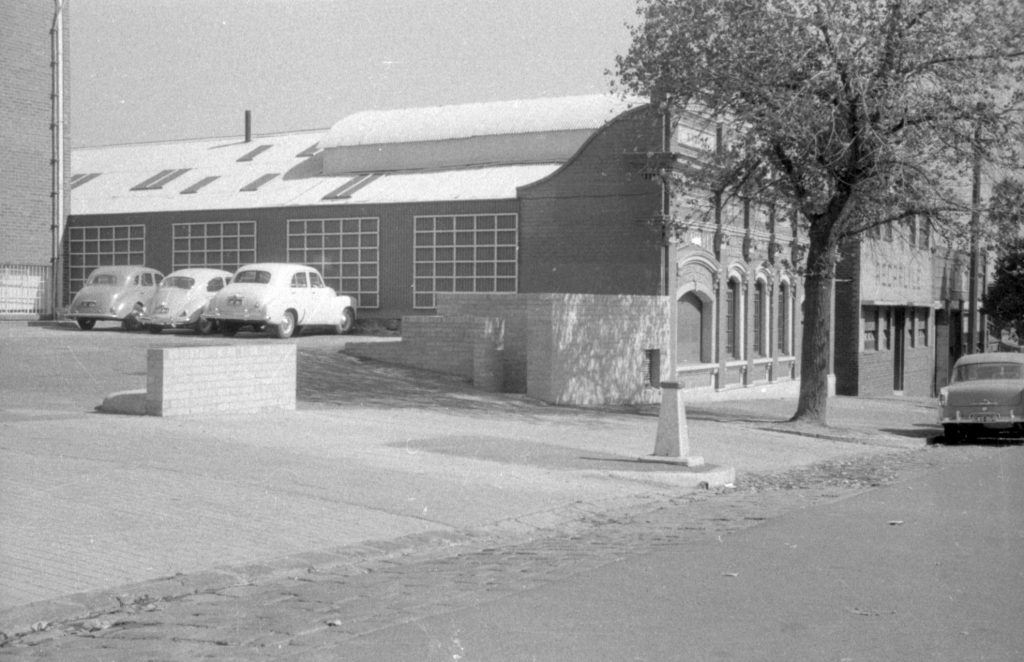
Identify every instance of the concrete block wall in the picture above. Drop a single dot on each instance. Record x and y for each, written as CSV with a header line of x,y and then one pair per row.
x,y
591,349
184,381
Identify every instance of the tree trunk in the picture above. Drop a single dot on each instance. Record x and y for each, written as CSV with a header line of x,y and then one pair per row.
x,y
814,350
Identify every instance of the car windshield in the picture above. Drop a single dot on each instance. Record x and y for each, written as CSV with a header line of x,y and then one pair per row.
x,y
973,372
103,279
252,276
181,282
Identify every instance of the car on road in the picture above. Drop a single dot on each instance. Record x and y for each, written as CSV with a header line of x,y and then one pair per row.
x,y
181,298
115,293
985,397
280,298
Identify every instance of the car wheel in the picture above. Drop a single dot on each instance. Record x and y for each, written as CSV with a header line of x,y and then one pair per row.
x,y
952,434
85,324
347,321
286,328
205,326
228,329
153,328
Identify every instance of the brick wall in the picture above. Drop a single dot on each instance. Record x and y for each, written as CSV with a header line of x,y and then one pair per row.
x,y
585,229
589,349
183,381
25,131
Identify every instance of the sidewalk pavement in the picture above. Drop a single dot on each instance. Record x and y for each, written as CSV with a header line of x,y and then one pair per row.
x,y
378,460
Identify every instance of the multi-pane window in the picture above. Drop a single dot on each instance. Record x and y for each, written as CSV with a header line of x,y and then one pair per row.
x,y
870,328
91,247
465,254
922,327
216,245
345,250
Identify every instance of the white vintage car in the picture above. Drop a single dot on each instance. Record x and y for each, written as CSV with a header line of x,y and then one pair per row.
x,y
114,293
281,298
985,397
181,299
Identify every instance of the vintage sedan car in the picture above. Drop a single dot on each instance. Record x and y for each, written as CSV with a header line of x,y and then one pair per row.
x,y
280,298
181,298
985,397
114,293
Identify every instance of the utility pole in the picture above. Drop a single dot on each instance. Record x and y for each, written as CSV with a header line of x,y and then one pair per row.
x,y
972,293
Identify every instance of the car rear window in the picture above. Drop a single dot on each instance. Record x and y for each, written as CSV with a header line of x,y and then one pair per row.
x,y
103,279
252,276
182,282
973,372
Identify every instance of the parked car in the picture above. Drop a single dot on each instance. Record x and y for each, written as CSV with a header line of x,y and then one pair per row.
x,y
114,293
181,298
281,298
985,397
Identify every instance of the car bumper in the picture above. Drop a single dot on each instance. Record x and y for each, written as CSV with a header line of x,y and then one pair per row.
x,y
169,321
240,317
94,316
987,419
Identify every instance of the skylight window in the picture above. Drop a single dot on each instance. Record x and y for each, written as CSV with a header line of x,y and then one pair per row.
x,y
158,180
249,156
351,186
258,182
200,184
78,180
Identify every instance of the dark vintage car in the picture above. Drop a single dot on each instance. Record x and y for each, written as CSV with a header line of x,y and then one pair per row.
x,y
117,294
984,398
181,299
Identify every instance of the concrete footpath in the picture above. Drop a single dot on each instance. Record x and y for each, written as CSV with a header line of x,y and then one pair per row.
x,y
99,510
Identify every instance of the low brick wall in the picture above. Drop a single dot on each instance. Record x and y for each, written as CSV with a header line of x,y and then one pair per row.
x,y
183,381
592,349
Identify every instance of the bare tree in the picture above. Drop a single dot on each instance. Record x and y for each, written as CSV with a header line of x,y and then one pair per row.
x,y
853,113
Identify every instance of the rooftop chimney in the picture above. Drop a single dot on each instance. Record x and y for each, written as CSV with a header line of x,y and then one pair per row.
x,y
248,126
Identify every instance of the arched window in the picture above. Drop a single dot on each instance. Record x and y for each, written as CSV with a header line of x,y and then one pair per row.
x,y
732,319
760,328
785,317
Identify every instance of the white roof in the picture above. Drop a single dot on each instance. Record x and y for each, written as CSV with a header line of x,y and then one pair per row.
x,y
573,113
298,181
292,163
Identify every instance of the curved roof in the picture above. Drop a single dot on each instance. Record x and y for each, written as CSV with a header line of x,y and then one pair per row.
x,y
373,127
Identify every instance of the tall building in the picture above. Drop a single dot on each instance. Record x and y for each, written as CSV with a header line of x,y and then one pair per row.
x,y
34,162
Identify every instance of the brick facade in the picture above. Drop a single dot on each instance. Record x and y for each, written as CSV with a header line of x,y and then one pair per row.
x,y
187,381
26,133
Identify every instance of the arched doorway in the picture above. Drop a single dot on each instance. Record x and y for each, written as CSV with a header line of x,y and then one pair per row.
x,y
690,341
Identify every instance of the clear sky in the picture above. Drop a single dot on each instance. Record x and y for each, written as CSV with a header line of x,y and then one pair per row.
x,y
145,70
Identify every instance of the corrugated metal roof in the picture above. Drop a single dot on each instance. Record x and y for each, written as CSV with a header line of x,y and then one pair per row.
x,y
214,171
374,127
300,183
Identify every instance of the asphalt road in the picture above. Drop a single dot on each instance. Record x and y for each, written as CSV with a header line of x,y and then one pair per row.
x,y
925,569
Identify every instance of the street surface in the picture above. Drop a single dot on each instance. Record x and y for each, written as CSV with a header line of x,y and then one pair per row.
x,y
404,515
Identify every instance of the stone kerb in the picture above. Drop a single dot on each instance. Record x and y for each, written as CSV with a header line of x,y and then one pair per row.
x,y
231,378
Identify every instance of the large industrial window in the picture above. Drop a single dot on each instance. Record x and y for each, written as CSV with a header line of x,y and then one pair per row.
x,y
91,247
345,250
216,245
465,254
